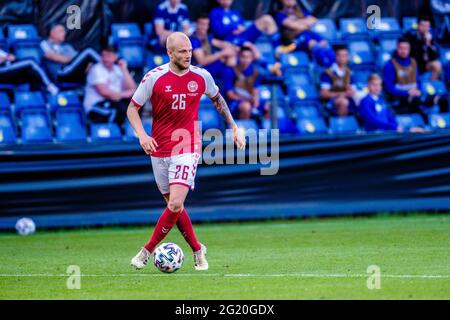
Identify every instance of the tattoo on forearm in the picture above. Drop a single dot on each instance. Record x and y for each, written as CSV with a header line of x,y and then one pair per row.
x,y
222,107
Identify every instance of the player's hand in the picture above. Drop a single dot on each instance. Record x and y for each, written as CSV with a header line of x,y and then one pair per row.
x,y
148,144
238,137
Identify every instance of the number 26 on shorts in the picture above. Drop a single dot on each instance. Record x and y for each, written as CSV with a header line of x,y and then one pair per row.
x,y
184,174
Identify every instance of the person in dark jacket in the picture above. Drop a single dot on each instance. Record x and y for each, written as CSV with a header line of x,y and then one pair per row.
x,y
424,48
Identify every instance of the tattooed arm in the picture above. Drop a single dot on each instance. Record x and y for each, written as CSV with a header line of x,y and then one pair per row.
x,y
222,107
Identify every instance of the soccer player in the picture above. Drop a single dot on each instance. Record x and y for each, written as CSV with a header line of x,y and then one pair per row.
x,y
174,91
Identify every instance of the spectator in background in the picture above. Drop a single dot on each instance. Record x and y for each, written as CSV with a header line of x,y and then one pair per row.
x,y
171,16
63,62
374,111
424,49
228,24
241,86
441,14
24,71
212,54
337,84
402,83
109,89
295,23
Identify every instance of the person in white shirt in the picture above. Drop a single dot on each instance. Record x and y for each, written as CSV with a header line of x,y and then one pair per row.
x,y
109,88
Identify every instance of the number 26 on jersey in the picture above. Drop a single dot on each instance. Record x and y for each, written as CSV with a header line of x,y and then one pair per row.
x,y
179,102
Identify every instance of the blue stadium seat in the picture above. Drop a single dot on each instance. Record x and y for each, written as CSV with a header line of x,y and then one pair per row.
x,y
307,126
64,99
130,134
433,87
21,34
28,100
210,118
445,56
388,45
5,103
36,127
409,23
298,79
353,28
133,53
361,75
24,40
3,43
105,132
7,128
129,41
361,53
247,124
326,28
70,125
388,28
125,32
295,61
265,93
344,125
155,60
306,92
439,120
267,51
410,120
285,124
382,58
307,110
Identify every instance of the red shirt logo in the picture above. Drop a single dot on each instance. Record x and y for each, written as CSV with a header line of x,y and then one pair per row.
x,y
192,86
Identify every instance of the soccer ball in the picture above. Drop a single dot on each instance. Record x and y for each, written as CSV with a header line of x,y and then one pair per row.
x,y
25,226
168,257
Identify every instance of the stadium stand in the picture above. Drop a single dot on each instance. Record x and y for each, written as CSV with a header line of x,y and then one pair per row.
x,y
61,117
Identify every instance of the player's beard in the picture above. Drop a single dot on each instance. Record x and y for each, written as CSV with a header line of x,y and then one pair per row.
x,y
180,66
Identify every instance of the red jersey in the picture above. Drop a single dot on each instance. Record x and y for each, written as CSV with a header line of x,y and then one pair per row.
x,y
175,100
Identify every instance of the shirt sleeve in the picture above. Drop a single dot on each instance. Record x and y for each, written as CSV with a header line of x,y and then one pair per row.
x,y
279,18
196,44
211,89
96,76
325,81
158,17
45,47
143,92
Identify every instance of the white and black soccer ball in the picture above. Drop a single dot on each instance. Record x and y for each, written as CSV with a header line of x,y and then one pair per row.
x,y
25,226
168,257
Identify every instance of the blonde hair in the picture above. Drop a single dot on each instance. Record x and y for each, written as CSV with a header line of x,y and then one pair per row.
x,y
373,77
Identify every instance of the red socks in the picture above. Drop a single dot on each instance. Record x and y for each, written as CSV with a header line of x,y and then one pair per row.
x,y
162,228
166,222
184,224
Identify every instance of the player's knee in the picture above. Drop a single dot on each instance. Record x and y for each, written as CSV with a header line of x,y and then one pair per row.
x,y
175,205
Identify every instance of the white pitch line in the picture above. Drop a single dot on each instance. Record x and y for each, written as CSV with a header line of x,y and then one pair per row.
x,y
234,275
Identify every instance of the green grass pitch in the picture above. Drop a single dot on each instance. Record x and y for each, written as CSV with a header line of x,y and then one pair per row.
x,y
292,259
